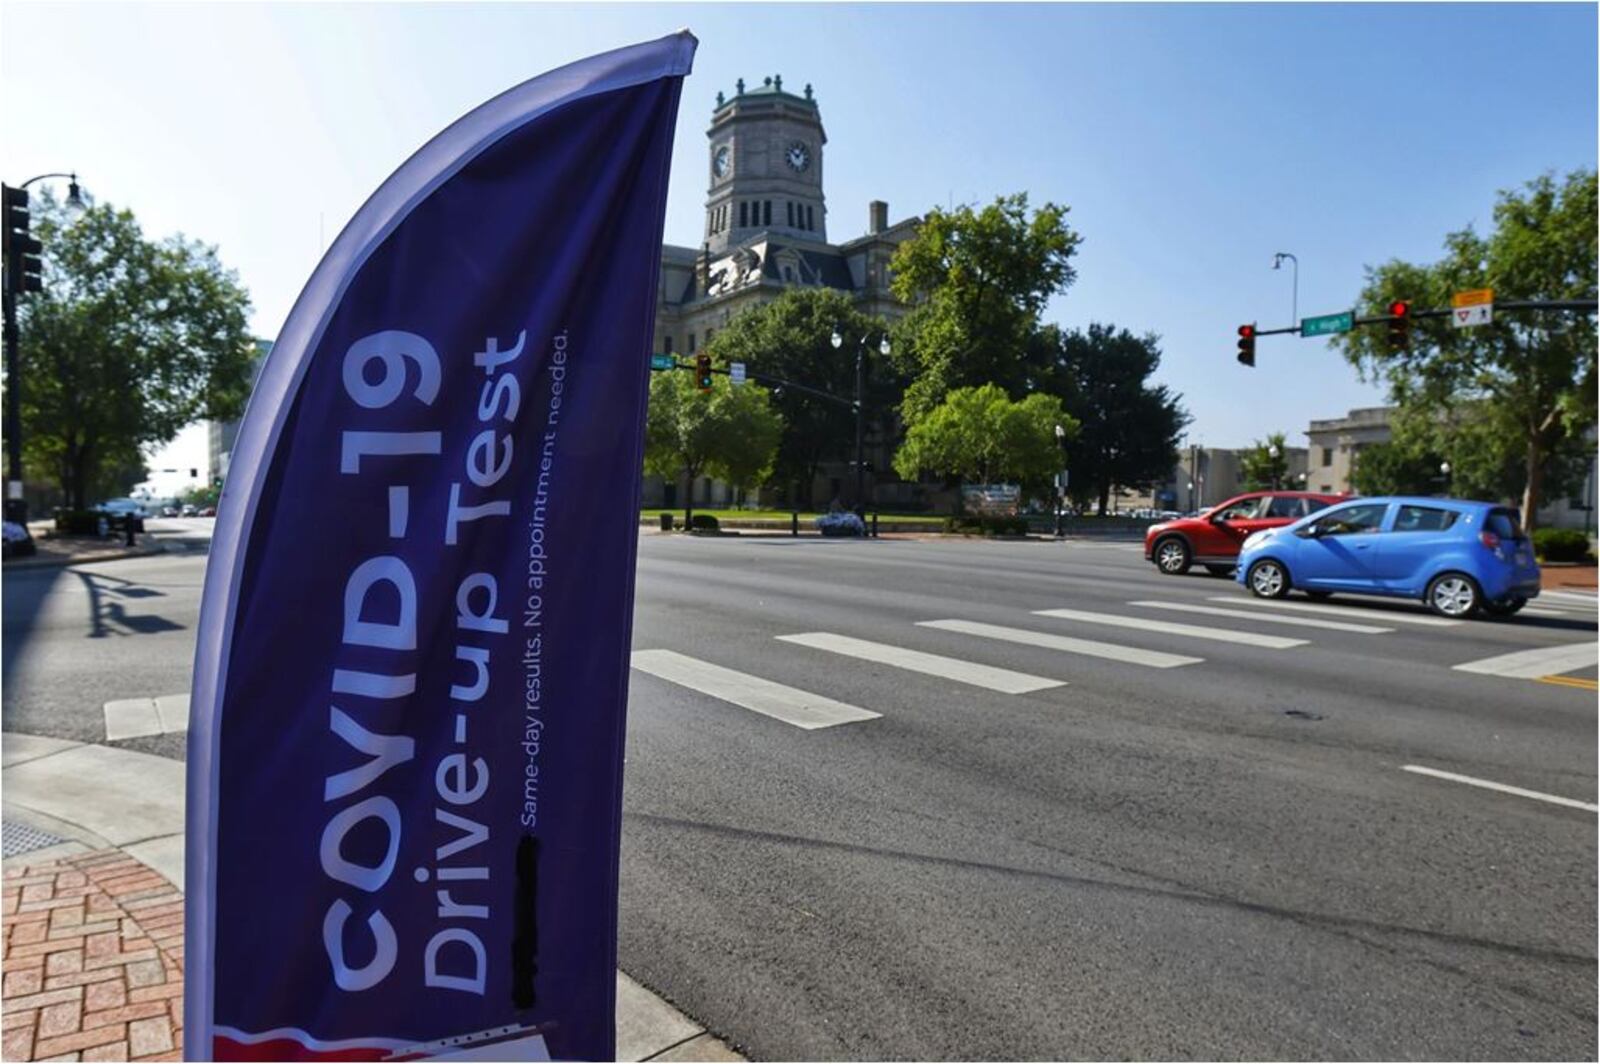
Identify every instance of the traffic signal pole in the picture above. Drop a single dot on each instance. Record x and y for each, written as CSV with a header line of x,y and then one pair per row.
x,y
1581,306
16,508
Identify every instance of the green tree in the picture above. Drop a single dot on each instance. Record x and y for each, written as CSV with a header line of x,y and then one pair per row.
x,y
1266,464
978,280
981,436
1519,392
130,341
730,432
790,338
1400,468
1130,428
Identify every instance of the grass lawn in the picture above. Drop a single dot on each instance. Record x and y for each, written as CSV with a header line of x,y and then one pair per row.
x,y
653,515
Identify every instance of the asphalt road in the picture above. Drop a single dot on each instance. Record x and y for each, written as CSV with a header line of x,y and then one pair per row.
x,y
1221,858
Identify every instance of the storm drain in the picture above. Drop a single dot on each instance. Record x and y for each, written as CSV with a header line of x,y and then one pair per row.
x,y
20,838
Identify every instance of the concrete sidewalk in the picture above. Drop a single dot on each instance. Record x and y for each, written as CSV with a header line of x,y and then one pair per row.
x,y
93,918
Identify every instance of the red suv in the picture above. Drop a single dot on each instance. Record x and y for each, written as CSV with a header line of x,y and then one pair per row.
x,y
1213,538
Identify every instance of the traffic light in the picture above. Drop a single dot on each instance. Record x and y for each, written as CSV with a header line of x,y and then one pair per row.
x,y
702,372
1247,345
23,267
1400,325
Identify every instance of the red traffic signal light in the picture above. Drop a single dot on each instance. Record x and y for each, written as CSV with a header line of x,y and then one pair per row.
x,y
1247,344
702,372
1400,324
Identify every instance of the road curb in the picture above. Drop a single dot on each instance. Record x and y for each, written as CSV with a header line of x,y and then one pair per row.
x,y
110,800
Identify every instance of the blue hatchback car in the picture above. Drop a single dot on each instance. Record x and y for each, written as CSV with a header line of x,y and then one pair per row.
x,y
1459,557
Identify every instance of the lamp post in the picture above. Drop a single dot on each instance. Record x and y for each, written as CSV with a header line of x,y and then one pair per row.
x,y
1294,306
1061,482
16,506
1444,471
861,350
1272,453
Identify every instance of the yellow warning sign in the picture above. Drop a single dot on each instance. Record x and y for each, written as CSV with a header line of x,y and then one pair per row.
x,y
1475,298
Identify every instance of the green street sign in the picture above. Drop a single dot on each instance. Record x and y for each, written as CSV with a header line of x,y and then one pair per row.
x,y
1328,324
662,362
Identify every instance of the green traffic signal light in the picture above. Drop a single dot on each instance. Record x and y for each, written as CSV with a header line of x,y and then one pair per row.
x,y
702,372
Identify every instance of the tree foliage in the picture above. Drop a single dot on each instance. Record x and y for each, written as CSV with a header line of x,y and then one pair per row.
x,y
978,281
1129,437
982,436
130,341
790,338
1400,468
1517,394
730,432
1265,464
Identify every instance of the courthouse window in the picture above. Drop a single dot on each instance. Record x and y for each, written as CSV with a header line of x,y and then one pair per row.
x,y
766,213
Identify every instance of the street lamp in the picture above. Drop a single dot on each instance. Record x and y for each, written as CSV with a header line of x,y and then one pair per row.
x,y
861,349
1272,453
1061,484
1294,306
1444,471
16,506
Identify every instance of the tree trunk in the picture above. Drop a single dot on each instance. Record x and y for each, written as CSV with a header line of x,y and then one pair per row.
x,y
688,496
1105,496
1534,486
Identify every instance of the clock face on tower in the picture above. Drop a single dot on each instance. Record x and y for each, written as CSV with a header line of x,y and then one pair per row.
x,y
798,157
722,161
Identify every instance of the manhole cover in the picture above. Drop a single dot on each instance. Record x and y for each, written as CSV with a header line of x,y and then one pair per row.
x,y
20,838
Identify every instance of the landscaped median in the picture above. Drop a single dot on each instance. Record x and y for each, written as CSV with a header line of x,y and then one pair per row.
x,y
783,520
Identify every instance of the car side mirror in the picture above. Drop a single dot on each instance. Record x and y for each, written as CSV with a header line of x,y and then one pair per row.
x,y
1311,531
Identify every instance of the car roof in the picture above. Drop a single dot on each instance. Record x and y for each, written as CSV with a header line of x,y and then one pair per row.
x,y
1429,500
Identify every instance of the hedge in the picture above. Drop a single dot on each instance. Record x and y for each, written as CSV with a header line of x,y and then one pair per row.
x,y
1560,544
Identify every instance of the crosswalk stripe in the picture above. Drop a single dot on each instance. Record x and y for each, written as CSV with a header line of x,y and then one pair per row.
x,y
788,704
1566,615
1192,631
1578,597
1155,659
1541,661
1397,616
1304,622
1003,680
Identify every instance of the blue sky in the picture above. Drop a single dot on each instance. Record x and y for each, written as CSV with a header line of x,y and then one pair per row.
x,y
1190,141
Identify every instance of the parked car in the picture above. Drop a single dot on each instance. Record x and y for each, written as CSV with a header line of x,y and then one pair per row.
x,y
1458,557
169,511
120,508
208,511
1213,537
190,510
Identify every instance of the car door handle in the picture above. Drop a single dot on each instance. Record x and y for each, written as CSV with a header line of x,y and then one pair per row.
x,y
1363,546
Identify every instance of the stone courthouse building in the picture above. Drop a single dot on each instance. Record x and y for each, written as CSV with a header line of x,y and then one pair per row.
x,y
766,229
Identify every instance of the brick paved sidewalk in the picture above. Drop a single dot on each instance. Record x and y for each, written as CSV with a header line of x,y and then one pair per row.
x,y
93,961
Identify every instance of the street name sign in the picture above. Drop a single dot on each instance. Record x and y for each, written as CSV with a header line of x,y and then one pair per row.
x,y
1328,324
736,372
1475,307
662,362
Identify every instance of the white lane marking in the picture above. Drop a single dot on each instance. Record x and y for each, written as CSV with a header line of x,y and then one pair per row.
x,y
788,704
1397,616
133,718
130,718
1541,661
1580,597
1192,631
1564,614
1003,680
1305,622
1155,659
1472,781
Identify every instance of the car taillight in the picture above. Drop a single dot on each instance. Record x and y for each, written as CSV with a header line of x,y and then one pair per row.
x,y
1490,540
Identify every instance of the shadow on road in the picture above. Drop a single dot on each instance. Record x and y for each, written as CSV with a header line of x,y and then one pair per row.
x,y
108,616
25,592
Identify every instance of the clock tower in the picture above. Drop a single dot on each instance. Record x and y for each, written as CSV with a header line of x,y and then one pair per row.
x,y
765,167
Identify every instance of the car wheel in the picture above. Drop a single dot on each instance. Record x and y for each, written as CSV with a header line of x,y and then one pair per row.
x,y
1319,595
1505,607
1220,570
1454,595
1268,579
1172,556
